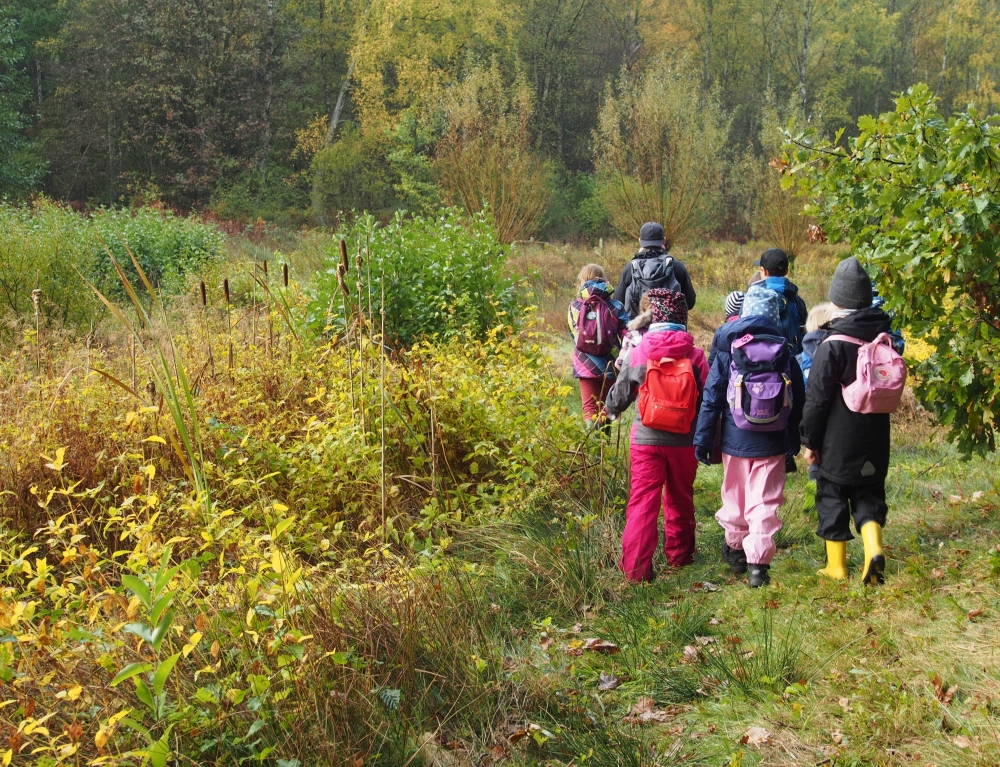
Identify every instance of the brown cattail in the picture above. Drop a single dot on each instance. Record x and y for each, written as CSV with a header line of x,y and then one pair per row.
x,y
284,274
225,290
265,268
343,255
340,279
204,294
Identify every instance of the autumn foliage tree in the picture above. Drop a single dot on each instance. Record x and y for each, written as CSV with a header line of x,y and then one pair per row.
x,y
915,196
485,157
659,151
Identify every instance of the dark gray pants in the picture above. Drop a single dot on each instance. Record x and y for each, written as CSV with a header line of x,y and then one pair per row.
x,y
836,504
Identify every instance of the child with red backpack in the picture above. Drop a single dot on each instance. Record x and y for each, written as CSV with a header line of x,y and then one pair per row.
x,y
755,389
855,382
597,323
667,373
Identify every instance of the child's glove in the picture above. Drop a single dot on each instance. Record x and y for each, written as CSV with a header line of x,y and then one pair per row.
x,y
703,454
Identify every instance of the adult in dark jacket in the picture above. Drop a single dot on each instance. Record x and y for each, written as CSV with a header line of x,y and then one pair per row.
x,y
850,449
653,246
753,461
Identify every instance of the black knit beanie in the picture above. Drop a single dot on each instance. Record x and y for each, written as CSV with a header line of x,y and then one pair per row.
x,y
851,287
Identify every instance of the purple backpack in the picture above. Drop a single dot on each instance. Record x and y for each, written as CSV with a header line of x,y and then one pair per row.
x,y
596,327
760,385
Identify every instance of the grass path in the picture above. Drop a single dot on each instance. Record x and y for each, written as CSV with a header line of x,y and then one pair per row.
x,y
807,671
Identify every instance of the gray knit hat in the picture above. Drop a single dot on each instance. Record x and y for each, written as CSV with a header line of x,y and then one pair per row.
x,y
761,302
734,302
851,287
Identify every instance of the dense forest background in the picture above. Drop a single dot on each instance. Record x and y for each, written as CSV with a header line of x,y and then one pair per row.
x,y
293,110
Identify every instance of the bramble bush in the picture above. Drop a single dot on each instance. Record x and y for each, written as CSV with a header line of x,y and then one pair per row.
x,y
444,276
915,196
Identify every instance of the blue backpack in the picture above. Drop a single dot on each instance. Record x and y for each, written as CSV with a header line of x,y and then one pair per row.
x,y
790,322
805,363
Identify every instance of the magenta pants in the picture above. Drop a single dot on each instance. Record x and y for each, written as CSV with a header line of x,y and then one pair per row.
x,y
661,476
753,490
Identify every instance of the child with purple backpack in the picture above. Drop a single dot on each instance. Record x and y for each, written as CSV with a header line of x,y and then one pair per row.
x,y
855,382
597,323
755,389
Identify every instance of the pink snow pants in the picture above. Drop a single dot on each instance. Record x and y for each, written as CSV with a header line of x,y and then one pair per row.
x,y
753,490
661,476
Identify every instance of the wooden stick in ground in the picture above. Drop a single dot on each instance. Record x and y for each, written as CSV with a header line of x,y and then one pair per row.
x,y
345,296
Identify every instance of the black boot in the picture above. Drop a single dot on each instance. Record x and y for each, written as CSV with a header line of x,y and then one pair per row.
x,y
735,558
757,575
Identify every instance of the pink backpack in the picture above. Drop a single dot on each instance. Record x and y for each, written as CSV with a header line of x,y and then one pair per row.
x,y
596,327
881,376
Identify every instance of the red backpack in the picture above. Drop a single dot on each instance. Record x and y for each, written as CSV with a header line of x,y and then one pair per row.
x,y
596,327
668,398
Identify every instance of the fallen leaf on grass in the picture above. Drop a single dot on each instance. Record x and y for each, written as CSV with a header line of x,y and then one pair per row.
x,y
607,681
962,742
546,641
977,495
601,645
940,692
643,712
577,628
837,737
973,614
717,622
938,572
690,654
845,703
703,641
755,736
516,735
955,500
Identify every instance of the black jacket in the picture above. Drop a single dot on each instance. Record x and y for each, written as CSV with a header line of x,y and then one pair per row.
x,y
715,405
853,447
680,272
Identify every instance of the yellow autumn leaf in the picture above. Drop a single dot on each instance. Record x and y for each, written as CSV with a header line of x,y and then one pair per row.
x,y
156,439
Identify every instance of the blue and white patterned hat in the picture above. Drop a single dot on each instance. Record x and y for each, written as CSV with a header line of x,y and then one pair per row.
x,y
761,302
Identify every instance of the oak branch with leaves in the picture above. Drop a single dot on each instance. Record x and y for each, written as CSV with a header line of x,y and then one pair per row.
x,y
915,194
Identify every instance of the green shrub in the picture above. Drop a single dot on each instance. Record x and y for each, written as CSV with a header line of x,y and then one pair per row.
x,y
44,245
353,174
444,276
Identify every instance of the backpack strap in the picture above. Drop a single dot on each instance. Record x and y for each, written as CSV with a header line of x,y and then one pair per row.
x,y
848,339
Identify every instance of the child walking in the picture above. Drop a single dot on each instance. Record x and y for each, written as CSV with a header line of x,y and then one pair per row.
x,y
597,323
637,328
819,315
667,373
755,389
849,447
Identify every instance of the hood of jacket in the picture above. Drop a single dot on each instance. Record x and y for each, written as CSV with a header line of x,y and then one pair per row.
x,y
657,344
650,252
595,288
730,331
812,340
864,324
642,321
781,285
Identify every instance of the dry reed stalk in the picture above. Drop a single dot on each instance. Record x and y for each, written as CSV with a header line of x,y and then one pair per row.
x,y
229,326
270,319
381,351
253,318
36,299
204,325
361,351
345,295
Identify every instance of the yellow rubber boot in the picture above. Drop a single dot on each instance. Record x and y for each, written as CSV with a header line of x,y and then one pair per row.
x,y
871,534
836,560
